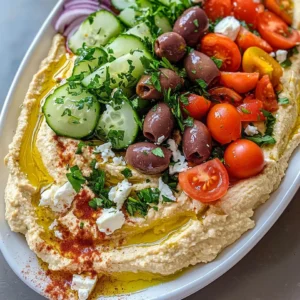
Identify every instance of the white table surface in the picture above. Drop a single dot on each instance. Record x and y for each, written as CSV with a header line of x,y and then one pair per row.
x,y
271,271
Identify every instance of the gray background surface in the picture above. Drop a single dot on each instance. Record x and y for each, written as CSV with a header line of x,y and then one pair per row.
x,y
271,271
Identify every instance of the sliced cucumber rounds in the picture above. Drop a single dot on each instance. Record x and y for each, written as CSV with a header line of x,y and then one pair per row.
x,y
122,4
123,72
71,112
96,30
90,65
119,126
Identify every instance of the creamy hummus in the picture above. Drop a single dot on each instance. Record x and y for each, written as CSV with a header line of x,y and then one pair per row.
x,y
170,238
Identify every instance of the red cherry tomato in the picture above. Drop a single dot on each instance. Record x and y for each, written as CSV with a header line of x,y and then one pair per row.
x,y
240,82
250,111
244,159
265,93
282,8
247,39
225,95
276,32
223,48
247,10
216,9
198,106
224,123
207,182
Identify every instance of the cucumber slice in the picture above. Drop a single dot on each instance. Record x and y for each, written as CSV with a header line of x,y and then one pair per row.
x,y
89,66
128,16
169,2
124,121
123,72
71,115
124,44
142,31
96,30
163,23
122,4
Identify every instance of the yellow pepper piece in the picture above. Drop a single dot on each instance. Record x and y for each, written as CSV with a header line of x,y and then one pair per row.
x,y
257,60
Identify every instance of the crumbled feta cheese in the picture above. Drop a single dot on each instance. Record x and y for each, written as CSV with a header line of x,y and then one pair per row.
x,y
53,225
110,220
180,164
59,199
84,285
160,139
119,193
229,26
117,161
165,191
58,234
281,55
251,130
105,151
273,54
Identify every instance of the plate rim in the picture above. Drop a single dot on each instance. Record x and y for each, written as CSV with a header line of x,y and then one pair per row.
x,y
192,287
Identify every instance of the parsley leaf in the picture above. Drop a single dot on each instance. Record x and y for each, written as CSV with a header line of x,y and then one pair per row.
x,y
283,100
270,122
127,173
80,145
76,178
115,136
189,122
96,180
217,61
158,152
262,140
101,202
245,110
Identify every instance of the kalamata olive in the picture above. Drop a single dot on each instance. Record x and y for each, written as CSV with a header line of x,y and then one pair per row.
x,y
200,66
148,158
170,45
168,80
197,143
159,123
192,25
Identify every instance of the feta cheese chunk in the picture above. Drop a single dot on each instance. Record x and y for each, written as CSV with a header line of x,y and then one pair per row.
x,y
165,191
84,285
110,220
251,130
119,193
229,26
53,225
59,199
58,234
160,139
117,161
105,151
281,55
180,164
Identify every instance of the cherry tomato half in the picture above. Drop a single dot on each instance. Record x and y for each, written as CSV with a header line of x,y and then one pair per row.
x,y
247,39
276,32
198,106
247,10
216,9
222,47
265,92
225,95
250,111
240,82
283,9
207,182
224,123
257,60
244,159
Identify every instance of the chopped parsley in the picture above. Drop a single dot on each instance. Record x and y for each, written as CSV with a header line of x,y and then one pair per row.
x,y
115,136
76,178
245,110
96,180
67,112
127,173
217,61
101,202
283,100
287,63
80,145
189,122
146,199
81,225
158,152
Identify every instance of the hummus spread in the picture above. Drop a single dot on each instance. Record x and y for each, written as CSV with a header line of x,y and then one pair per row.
x,y
70,236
